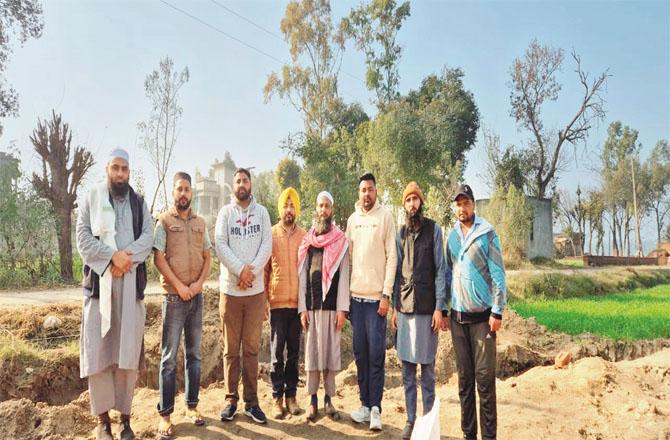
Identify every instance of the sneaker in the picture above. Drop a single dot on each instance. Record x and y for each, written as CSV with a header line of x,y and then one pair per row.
x,y
228,413
361,415
256,414
375,419
278,408
407,431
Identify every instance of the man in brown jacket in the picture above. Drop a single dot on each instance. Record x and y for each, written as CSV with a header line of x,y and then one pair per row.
x,y
183,257
281,278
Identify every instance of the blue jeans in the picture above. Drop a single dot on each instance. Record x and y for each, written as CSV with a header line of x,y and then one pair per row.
x,y
369,331
180,316
427,388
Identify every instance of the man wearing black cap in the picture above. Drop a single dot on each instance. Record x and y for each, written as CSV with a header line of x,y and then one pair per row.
x,y
478,296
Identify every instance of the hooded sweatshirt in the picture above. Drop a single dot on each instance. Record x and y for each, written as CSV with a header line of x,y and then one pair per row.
x,y
242,236
475,269
373,252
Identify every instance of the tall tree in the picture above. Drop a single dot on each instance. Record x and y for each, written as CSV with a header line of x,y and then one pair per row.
x,y
504,167
595,212
374,27
658,166
287,174
310,81
63,170
618,153
265,192
533,83
21,19
572,215
159,133
423,135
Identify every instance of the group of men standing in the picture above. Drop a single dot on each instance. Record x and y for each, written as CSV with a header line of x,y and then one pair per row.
x,y
303,281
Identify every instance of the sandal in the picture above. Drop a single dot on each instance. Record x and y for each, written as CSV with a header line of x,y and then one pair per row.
x,y
193,415
165,429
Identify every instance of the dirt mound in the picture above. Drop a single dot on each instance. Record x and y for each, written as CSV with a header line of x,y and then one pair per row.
x,y
52,377
24,419
590,399
27,323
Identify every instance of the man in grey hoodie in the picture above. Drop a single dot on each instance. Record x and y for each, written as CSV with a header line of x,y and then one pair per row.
x,y
243,238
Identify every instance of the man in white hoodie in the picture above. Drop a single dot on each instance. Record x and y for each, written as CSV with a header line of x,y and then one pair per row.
x,y
243,237
371,233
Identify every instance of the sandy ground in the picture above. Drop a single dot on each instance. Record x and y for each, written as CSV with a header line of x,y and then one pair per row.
x,y
591,399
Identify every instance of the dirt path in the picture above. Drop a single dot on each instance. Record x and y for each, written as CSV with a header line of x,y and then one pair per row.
x,y
65,295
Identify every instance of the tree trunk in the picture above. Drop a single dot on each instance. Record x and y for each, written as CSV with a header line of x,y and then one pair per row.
x,y
615,246
65,244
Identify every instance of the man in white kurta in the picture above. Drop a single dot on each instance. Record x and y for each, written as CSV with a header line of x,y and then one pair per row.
x,y
112,328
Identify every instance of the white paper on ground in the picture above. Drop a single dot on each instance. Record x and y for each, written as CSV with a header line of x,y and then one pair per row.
x,y
428,427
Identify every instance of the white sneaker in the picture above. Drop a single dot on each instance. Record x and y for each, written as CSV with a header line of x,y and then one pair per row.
x,y
375,419
361,415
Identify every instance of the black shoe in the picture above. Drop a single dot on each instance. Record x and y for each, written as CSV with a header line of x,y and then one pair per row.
x,y
228,413
127,433
407,431
256,414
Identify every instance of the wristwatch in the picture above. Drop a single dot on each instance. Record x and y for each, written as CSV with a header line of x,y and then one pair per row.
x,y
387,296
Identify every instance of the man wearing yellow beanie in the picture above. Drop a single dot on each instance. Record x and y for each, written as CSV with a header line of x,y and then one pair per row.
x,y
281,285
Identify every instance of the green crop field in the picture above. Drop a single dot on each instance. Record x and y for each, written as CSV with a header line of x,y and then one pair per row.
x,y
638,314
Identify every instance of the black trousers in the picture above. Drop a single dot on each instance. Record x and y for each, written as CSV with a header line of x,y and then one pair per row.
x,y
284,333
475,347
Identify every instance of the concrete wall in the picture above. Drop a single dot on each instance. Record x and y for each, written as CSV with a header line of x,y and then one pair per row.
x,y
541,239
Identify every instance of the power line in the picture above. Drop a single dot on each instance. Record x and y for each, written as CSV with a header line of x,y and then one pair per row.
x,y
242,42
216,29
248,20
269,32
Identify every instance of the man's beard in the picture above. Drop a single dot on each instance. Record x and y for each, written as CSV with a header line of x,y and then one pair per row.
x,y
368,203
468,220
182,206
242,194
413,221
322,225
288,219
119,189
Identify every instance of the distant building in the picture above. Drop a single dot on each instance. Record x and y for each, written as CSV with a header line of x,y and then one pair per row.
x,y
568,245
540,240
662,253
215,190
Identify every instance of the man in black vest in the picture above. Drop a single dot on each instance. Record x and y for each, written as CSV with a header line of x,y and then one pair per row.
x,y
114,238
419,301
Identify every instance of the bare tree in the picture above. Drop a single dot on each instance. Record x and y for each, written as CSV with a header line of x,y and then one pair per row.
x,y
60,179
160,131
533,83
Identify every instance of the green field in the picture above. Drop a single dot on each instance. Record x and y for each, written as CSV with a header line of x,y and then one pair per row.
x,y
638,314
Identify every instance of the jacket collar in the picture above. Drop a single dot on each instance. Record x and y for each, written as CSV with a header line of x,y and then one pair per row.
x,y
174,213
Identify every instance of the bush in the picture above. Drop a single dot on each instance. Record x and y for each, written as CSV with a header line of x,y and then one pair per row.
x,y
560,285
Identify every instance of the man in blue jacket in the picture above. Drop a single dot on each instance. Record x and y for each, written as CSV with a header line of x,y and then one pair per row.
x,y
478,297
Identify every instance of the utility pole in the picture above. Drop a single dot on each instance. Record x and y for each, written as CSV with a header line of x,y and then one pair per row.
x,y
637,218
